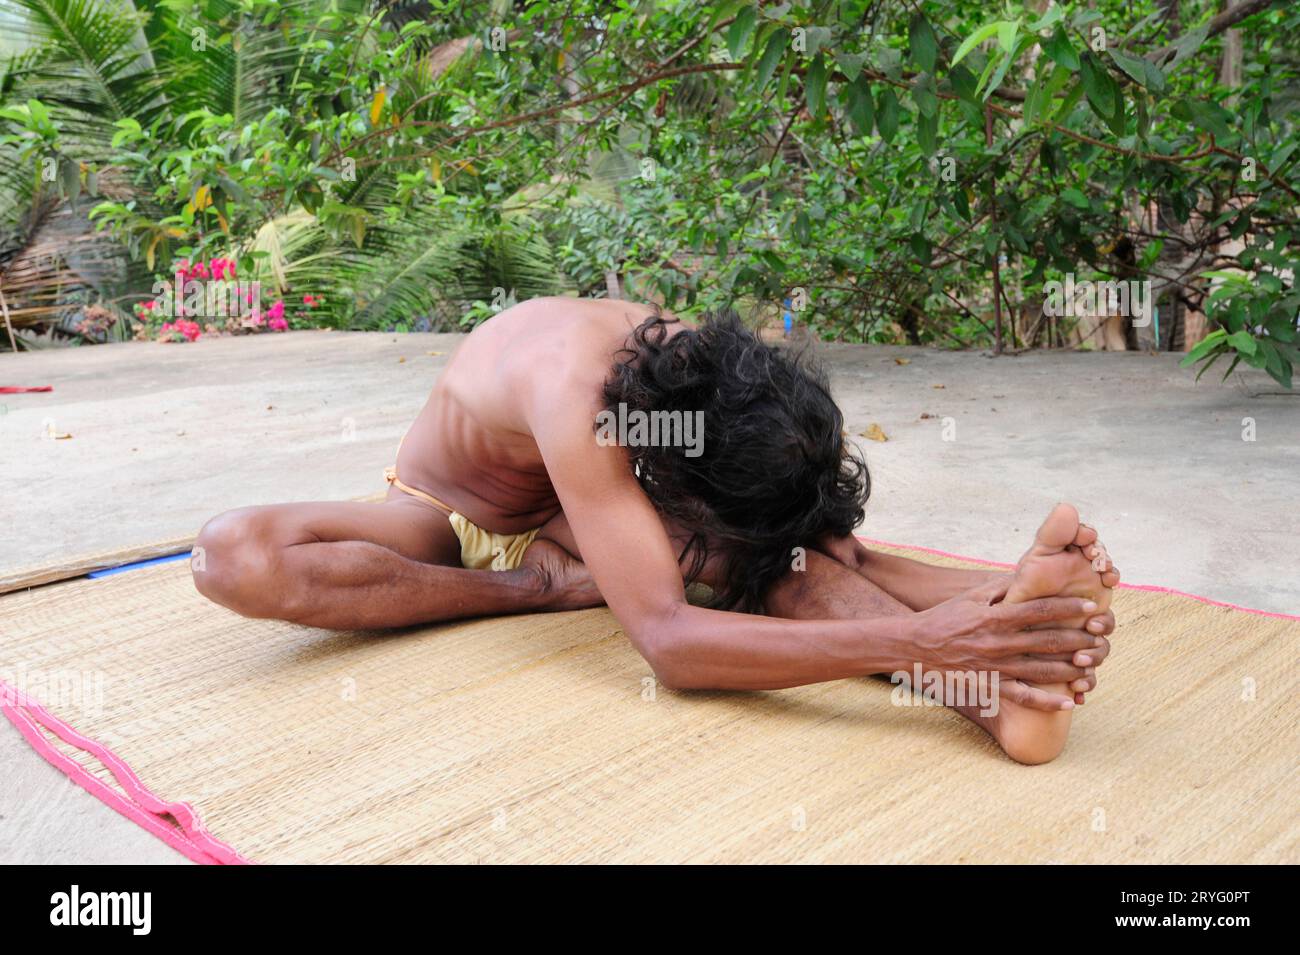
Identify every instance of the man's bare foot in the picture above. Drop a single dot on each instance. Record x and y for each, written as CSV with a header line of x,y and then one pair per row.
x,y
1064,560
566,582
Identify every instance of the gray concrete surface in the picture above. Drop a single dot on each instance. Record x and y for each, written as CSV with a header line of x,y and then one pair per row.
x,y
164,436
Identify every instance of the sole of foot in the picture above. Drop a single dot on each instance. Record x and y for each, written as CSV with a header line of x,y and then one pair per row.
x,y
1062,561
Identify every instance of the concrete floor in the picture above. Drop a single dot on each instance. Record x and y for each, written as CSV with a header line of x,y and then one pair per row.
x,y
164,436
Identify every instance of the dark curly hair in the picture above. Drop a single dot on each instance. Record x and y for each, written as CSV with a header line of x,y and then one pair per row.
x,y
775,470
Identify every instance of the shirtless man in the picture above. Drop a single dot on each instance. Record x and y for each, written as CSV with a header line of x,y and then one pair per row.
x,y
506,497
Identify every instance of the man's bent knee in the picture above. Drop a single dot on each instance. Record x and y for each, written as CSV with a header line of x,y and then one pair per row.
x,y
234,563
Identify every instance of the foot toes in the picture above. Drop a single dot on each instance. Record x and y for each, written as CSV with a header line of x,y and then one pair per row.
x,y
1060,528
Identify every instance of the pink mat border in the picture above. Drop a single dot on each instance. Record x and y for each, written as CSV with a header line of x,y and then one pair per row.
x,y
192,840
139,804
1148,588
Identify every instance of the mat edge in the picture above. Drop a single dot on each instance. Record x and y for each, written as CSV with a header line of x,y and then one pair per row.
x,y
1146,588
192,840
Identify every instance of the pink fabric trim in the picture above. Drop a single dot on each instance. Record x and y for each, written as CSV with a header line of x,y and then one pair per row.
x,y
1149,588
141,806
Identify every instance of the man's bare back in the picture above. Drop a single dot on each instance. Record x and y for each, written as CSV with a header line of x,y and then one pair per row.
x,y
472,446
507,442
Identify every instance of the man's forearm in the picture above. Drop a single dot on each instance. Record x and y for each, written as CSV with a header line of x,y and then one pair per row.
x,y
710,649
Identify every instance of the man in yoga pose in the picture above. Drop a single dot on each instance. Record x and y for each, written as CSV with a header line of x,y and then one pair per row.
x,y
513,493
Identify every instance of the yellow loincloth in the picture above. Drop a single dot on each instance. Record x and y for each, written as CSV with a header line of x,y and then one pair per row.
x,y
479,549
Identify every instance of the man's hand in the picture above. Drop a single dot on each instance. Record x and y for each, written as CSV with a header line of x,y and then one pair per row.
x,y
973,631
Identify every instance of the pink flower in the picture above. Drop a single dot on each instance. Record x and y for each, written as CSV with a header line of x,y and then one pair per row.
x,y
309,300
218,269
275,311
188,331
278,324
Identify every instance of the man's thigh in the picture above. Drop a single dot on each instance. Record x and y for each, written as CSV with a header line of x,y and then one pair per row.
x,y
402,524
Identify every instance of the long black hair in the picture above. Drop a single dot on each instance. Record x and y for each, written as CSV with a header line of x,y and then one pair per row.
x,y
775,472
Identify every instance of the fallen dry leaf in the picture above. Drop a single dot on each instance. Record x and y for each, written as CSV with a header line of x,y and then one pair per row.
x,y
937,386
435,354
902,361
402,359
875,433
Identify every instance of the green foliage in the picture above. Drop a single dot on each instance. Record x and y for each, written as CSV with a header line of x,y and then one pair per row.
x,y
422,162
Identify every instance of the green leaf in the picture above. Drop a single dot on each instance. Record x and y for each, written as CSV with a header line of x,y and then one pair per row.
x,y
974,40
963,84
920,248
802,228
1007,33
1243,342
1187,44
860,108
887,114
1059,48
927,133
850,64
1102,91
1075,198
815,87
1131,65
1050,18
772,53
922,41
1204,347
740,30
924,96
1209,116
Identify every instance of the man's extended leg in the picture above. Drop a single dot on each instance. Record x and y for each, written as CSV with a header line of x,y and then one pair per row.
x,y
827,589
353,565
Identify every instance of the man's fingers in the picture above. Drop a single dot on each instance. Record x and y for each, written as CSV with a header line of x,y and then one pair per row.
x,y
1050,641
1093,656
1045,610
1101,624
1033,696
1038,670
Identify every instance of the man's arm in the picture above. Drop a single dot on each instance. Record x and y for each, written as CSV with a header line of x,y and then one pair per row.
x,y
624,545
922,586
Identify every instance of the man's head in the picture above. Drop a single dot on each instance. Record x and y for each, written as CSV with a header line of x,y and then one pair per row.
x,y
773,472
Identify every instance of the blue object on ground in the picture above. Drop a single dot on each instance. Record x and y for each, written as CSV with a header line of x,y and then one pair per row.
x,y
789,318
110,571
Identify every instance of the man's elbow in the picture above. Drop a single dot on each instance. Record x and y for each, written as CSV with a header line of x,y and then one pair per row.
x,y
668,652
671,671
